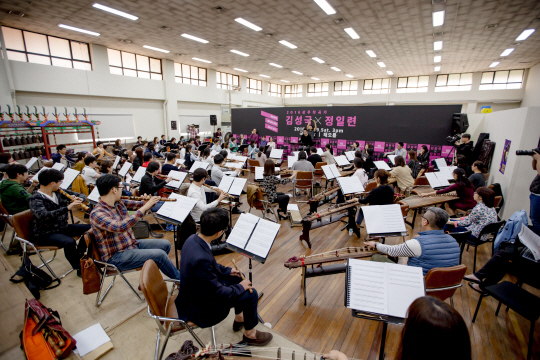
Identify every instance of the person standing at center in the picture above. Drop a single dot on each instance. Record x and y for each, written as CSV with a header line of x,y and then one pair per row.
x,y
254,137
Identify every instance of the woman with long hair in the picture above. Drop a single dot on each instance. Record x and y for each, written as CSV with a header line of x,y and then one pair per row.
x,y
139,158
423,156
270,183
414,164
205,157
328,155
463,188
402,173
261,157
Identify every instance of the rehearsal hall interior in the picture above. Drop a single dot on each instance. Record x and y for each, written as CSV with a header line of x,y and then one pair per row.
x,y
288,180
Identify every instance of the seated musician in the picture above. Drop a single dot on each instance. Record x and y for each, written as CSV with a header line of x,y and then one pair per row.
x,y
233,146
433,330
207,158
190,156
197,191
463,188
150,185
423,156
402,173
100,151
170,164
163,140
152,150
147,159
359,172
463,163
197,141
414,164
14,196
369,161
357,155
218,170
261,156
328,155
430,249
252,149
119,150
271,144
270,183
302,164
60,156
216,145
112,227
399,151
313,157
138,160
50,210
79,164
209,290
174,146
383,194
89,172
137,144
477,178
482,214
354,146
263,142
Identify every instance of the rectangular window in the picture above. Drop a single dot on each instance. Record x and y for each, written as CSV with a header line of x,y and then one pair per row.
x,y
129,64
346,87
188,74
293,91
376,86
37,48
254,86
453,82
317,89
275,90
224,80
505,79
412,84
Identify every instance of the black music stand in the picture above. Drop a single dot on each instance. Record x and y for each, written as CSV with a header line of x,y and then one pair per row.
x,y
176,235
385,319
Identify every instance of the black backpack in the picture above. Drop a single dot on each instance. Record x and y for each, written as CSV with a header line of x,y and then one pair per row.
x,y
35,279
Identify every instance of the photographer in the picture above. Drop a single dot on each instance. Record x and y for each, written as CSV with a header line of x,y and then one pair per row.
x,y
535,193
465,148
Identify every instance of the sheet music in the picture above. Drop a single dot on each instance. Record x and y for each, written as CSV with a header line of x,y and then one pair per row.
x,y
381,219
341,160
58,166
405,284
392,158
242,230
234,165
446,172
291,160
331,171
139,174
262,238
174,184
382,165
69,176
276,153
125,168
530,240
350,155
240,158
436,182
320,151
179,161
36,177
94,195
198,164
259,170
350,185
177,210
116,161
213,153
232,185
31,162
177,175
441,163
293,207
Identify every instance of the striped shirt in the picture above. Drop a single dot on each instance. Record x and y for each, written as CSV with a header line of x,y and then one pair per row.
x,y
410,248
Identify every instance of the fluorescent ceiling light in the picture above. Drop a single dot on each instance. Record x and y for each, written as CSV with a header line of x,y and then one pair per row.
x,y
438,18
437,68
437,58
495,63
285,80
288,44
507,52
114,11
265,76
155,48
79,30
349,76
318,60
381,64
314,78
328,9
525,34
437,45
371,53
352,33
248,24
239,53
205,61
389,72
297,72
194,38
242,70
335,68
276,65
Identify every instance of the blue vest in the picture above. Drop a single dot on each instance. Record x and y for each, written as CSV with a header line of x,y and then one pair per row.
x,y
438,250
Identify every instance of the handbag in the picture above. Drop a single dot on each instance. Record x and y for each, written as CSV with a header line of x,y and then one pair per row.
x,y
91,277
141,230
35,279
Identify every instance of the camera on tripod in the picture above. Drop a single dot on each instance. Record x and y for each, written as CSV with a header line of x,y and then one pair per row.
x,y
452,139
527,152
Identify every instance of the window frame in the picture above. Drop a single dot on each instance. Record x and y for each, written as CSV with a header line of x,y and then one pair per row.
x,y
451,88
316,93
257,90
273,93
198,79
150,72
483,86
297,93
72,59
406,87
349,92
220,85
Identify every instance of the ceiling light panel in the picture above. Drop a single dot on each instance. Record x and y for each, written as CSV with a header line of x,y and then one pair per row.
x,y
328,9
349,76
191,37
437,68
264,76
371,53
285,80
381,64
239,53
241,70
390,72
437,58
438,18
314,78
495,63
79,30
507,52
202,60
320,61
288,44
248,24
352,33
437,45
335,68
525,34
276,65
114,11
156,49
297,72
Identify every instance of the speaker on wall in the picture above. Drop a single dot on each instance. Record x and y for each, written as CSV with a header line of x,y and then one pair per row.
x,y
213,120
460,123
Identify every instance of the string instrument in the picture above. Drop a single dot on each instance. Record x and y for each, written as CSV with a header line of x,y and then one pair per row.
x,y
140,198
219,191
324,194
417,201
73,198
330,216
241,274
53,338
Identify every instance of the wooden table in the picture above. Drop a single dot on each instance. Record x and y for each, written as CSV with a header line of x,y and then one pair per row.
x,y
416,202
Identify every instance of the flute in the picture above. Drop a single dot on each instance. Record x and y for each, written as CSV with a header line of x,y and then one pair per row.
x,y
72,198
219,190
47,335
140,198
241,275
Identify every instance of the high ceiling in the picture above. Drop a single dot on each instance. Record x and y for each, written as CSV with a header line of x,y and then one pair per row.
x,y
400,32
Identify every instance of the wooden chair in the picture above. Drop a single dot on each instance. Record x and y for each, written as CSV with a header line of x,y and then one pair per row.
x,y
486,175
105,269
304,180
497,201
162,307
370,186
261,203
442,283
6,218
421,180
318,173
252,164
461,238
491,230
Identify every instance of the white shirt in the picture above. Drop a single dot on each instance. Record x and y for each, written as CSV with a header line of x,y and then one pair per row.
x,y
272,144
183,153
361,174
53,198
89,175
198,192
210,161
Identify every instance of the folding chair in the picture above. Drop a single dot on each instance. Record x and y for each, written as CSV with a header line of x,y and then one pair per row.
x,y
304,180
252,164
261,203
6,218
490,229
442,283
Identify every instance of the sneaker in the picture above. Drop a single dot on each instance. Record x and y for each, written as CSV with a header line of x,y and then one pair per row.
x,y
170,227
262,338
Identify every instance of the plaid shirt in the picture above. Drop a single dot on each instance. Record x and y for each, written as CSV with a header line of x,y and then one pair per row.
x,y
192,131
112,226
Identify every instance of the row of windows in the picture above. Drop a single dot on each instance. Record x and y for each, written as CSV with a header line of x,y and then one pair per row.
x,y
129,64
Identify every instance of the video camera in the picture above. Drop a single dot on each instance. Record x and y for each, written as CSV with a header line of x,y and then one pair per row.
x,y
452,139
527,152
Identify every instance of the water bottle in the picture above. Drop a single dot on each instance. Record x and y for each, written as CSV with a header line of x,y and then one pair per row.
x,y
350,232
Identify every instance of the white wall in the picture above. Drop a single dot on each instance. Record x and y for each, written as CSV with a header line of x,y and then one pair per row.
x,y
532,87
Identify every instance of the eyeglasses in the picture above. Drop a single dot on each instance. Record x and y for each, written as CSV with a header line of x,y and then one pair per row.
x,y
120,187
423,217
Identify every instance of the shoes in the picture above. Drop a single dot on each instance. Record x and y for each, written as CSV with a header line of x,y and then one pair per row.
x,y
262,338
481,292
281,217
467,278
237,326
237,211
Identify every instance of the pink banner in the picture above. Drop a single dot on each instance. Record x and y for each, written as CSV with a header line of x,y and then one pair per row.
x,y
342,144
324,142
446,150
379,146
271,122
362,144
280,140
294,140
270,127
268,115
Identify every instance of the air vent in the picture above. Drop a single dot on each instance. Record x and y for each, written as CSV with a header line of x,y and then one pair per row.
x,y
525,62
163,27
219,9
339,21
440,33
536,20
438,2
269,35
363,44
491,26
223,65
16,13
127,41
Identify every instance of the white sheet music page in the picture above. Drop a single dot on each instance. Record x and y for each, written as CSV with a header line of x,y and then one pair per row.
x,y
177,210
36,177
405,284
259,173
276,153
392,158
94,195
234,165
367,286
441,163
350,155
291,160
174,184
213,153
436,182
196,165
116,161
350,185
382,165
241,158
58,166
293,207
328,172
179,161
341,160
237,186
530,240
69,176
139,174
177,175
31,162
226,183
443,178
447,172
383,219
334,170
320,151
262,238
242,230
125,168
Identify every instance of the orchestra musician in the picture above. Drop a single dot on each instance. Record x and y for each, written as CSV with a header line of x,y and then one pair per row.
x,y
252,149
402,173
216,145
100,151
60,156
217,175
423,156
170,164
271,144
79,164
399,151
190,157
152,150
50,210
302,164
261,156
313,157
197,191
269,184
138,160
383,194
232,144
163,141
150,185
206,158
137,144
112,227
148,157
89,173
328,155
209,290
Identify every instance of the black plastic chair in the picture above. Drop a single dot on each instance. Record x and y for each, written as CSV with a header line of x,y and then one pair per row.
x,y
491,230
461,238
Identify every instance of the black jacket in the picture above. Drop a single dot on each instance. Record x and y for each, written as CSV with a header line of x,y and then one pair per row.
x,y
306,140
150,186
466,150
369,163
137,163
381,195
314,159
424,159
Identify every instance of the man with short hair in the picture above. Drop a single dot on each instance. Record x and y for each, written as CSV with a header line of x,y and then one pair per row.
x,y
432,248
100,151
197,191
399,151
170,164
89,173
112,227
209,290
465,148
60,156
137,144
314,158
150,185
217,176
